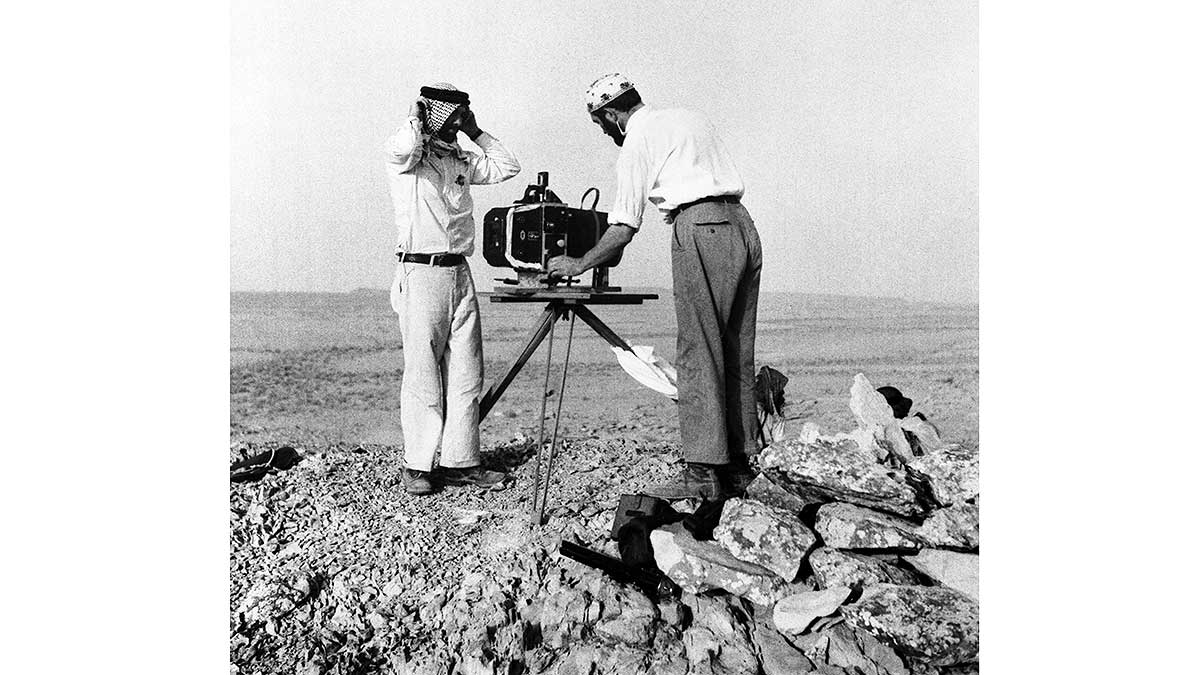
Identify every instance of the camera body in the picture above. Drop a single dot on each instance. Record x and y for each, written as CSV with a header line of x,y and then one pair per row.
x,y
538,227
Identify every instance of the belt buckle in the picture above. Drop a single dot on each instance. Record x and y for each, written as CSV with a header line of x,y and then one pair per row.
x,y
436,259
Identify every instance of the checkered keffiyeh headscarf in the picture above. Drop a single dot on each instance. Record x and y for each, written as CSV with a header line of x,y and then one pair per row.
x,y
441,100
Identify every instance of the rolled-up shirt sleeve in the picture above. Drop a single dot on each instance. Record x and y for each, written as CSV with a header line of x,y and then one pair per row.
x,y
496,164
404,146
633,183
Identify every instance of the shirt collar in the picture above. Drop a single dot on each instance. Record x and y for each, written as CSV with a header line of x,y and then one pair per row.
x,y
636,117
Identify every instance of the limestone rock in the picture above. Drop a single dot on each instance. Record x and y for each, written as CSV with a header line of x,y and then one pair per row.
x,y
827,470
853,527
778,655
718,641
764,535
627,616
925,437
874,414
952,472
937,624
832,567
565,615
767,491
273,598
860,651
704,565
622,659
959,571
580,659
793,614
850,650
954,526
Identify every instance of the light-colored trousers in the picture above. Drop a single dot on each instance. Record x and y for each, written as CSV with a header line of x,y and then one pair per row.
x,y
443,364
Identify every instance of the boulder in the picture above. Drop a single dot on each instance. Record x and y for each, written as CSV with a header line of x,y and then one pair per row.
x,y
936,624
622,659
832,567
699,566
853,527
778,655
838,470
922,435
953,526
565,615
273,598
767,491
627,616
718,641
959,571
764,535
873,413
952,473
793,614
850,650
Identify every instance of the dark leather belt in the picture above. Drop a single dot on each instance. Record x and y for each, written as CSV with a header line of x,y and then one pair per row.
x,y
720,199
435,259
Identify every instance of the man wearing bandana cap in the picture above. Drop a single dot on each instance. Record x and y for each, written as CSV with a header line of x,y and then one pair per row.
x,y
675,160
430,176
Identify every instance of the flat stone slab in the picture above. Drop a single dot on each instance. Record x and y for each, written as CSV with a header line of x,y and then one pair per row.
x,y
832,567
959,571
952,472
793,614
827,470
854,527
954,526
767,491
699,566
764,535
934,623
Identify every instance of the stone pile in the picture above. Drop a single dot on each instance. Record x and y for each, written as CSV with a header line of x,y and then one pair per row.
x,y
847,555
854,552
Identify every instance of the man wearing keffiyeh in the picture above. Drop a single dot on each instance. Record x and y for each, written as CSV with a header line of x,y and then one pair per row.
x,y
433,295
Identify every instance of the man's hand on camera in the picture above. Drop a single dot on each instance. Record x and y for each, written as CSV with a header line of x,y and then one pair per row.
x,y
467,124
565,266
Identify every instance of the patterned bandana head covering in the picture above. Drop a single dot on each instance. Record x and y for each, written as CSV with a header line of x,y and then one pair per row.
x,y
441,99
605,89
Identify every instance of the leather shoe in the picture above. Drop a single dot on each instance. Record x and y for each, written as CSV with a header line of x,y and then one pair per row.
x,y
472,475
696,480
416,482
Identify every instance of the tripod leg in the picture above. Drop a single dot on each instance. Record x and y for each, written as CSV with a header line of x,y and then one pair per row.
x,y
562,392
536,508
601,328
535,338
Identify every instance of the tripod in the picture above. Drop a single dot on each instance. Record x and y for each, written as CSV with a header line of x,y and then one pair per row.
x,y
560,305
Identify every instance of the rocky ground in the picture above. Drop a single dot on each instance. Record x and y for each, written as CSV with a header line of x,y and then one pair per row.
x,y
335,570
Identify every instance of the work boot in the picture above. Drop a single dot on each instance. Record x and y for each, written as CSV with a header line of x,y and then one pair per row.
x,y
696,480
472,475
738,475
416,482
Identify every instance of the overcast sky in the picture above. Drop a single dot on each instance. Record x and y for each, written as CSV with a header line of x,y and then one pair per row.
x,y
854,124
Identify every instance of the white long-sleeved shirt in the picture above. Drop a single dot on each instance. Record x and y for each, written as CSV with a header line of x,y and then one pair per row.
x,y
669,158
432,195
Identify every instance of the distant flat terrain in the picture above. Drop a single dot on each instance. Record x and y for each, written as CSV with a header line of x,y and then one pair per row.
x,y
328,365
